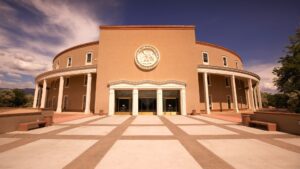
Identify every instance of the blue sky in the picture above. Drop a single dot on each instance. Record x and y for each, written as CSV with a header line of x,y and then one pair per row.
x,y
33,31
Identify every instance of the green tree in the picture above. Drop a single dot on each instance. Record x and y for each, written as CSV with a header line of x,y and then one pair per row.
x,y
288,74
7,98
20,98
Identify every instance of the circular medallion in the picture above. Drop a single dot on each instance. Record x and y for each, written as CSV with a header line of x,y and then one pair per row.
x,y
147,57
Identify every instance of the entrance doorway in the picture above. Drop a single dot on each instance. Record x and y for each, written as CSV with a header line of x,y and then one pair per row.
x,y
171,102
123,102
147,102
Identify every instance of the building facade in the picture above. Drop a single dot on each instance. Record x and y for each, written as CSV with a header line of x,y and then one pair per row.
x,y
147,70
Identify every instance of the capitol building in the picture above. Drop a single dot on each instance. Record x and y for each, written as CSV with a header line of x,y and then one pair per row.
x,y
147,70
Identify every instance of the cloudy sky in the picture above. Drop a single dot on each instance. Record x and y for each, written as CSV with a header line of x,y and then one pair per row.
x,y
33,31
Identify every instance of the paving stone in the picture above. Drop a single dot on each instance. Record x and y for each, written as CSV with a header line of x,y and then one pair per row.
x,y
206,130
147,120
147,130
148,154
183,120
293,141
89,130
251,153
44,154
253,130
111,120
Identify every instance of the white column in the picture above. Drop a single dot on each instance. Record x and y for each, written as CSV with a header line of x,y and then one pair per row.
x,y
206,93
183,102
250,90
255,97
248,98
60,94
111,104
88,94
259,96
44,94
135,102
36,91
233,89
159,102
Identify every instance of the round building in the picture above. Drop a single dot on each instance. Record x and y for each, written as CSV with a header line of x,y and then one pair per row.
x,y
147,70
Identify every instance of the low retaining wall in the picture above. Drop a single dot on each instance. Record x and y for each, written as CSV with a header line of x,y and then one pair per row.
x,y
286,122
10,121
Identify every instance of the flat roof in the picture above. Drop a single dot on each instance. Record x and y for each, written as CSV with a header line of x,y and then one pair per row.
x,y
130,27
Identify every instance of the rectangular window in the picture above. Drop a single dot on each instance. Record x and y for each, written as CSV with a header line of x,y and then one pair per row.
x,y
236,65
83,102
240,82
210,102
67,82
88,59
229,101
85,80
65,102
227,83
205,58
208,80
225,61
69,62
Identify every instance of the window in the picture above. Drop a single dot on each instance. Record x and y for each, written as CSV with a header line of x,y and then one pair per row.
x,y
67,82
88,58
236,65
65,102
208,80
69,62
210,102
85,80
227,83
57,65
240,82
229,101
83,102
225,61
205,58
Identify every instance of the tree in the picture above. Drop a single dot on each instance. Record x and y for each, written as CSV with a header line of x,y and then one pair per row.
x,y
20,98
6,98
288,74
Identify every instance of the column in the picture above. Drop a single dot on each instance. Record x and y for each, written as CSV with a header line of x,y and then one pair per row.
x,y
88,94
111,104
60,94
233,90
183,102
135,102
259,96
250,90
206,93
255,97
44,94
159,102
36,91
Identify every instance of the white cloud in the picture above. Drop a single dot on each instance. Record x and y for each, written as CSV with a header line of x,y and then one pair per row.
x,y
10,84
14,75
60,25
264,70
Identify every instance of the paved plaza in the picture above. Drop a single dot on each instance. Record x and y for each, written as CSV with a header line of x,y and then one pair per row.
x,y
149,142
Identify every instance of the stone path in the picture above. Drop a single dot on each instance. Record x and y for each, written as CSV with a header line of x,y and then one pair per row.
x,y
149,142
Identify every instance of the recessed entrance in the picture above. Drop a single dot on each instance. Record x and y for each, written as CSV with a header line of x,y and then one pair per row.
x,y
147,102
123,102
171,102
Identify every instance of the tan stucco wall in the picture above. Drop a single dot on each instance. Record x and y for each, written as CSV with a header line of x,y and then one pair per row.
x,y
180,55
216,56
219,93
75,93
178,60
78,55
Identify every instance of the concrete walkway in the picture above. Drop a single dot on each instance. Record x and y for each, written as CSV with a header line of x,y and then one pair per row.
x,y
149,142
